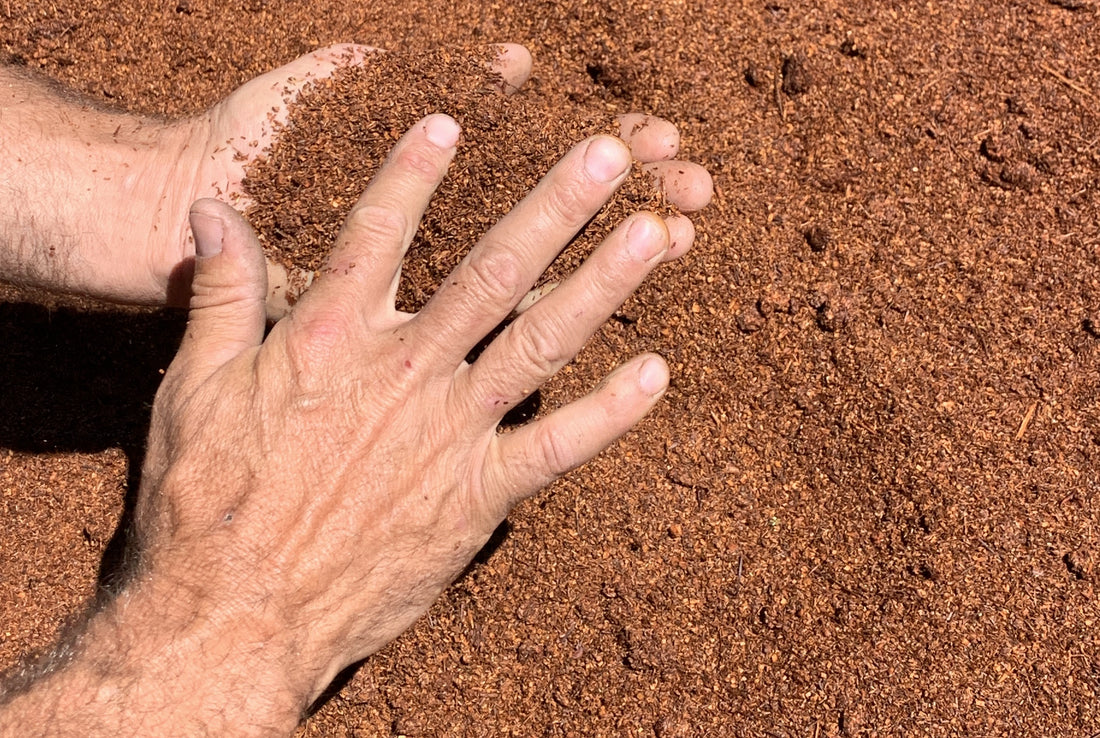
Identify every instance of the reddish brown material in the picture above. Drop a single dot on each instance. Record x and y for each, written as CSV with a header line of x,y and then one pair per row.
x,y
868,504
337,137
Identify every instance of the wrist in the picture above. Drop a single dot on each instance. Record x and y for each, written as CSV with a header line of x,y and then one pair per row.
x,y
160,660
232,660
95,200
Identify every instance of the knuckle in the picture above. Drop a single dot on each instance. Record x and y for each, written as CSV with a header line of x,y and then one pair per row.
x,y
539,344
494,275
315,341
568,202
420,161
606,287
554,452
378,223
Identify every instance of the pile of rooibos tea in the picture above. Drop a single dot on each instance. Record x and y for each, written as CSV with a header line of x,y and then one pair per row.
x,y
339,131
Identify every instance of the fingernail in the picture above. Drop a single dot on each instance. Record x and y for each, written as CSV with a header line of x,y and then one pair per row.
x,y
442,130
646,238
606,159
653,376
209,232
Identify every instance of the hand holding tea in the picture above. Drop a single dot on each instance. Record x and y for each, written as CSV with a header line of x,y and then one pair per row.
x,y
97,199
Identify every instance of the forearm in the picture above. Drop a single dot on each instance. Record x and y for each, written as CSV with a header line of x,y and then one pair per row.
x,y
157,662
81,194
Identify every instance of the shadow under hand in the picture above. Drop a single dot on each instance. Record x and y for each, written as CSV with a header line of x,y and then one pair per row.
x,y
75,380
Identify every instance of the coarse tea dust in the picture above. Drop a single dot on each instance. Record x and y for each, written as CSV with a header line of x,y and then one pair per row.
x,y
338,134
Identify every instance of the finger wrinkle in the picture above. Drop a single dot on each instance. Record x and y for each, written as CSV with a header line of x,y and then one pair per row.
x,y
492,275
538,345
556,455
381,225
423,160
570,203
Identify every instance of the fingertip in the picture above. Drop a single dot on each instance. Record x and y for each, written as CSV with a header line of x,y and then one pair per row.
x,y
606,158
441,130
704,188
208,227
650,138
513,64
653,375
647,237
219,229
681,236
687,185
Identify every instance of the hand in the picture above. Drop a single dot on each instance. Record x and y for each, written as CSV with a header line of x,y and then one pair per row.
x,y
96,201
356,454
306,497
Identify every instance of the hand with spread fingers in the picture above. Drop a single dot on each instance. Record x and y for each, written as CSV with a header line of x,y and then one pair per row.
x,y
307,496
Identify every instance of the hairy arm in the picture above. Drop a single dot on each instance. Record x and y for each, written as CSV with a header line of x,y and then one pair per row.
x,y
85,194
159,661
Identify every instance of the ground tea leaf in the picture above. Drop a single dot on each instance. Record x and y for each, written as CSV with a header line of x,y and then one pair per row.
x,y
337,136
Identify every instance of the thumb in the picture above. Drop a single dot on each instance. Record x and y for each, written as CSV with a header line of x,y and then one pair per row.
x,y
229,290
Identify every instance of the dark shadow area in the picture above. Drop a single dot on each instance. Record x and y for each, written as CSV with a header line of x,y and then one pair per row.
x,y
84,381
527,408
496,540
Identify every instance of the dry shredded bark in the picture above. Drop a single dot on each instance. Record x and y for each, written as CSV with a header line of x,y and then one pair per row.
x,y
868,504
